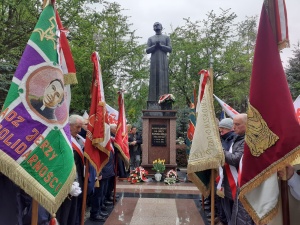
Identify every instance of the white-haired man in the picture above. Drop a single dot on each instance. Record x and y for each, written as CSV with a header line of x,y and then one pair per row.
x,y
70,210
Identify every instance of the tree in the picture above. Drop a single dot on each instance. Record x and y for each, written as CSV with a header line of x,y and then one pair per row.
x,y
122,59
231,47
293,73
17,21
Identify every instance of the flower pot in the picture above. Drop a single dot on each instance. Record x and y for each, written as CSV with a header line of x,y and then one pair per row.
x,y
157,176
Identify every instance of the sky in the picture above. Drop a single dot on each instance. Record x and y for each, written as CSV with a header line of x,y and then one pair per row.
x,y
170,13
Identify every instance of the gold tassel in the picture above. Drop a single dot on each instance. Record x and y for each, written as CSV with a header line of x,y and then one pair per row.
x,y
97,184
70,78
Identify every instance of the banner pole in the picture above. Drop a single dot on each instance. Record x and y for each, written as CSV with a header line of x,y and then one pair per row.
x,y
34,213
212,196
84,194
203,199
116,173
285,200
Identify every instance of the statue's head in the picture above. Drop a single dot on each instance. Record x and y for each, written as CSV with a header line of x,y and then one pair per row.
x,y
157,27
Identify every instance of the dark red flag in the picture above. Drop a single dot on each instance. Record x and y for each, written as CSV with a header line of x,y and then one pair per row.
x,y
121,139
272,137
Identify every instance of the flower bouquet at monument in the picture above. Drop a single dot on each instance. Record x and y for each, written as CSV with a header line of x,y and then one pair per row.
x,y
171,177
138,175
166,98
159,165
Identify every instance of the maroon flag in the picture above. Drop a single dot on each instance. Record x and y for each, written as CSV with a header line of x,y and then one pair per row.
x,y
98,143
272,137
121,139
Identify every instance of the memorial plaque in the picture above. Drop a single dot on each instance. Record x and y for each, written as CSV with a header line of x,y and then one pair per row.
x,y
159,135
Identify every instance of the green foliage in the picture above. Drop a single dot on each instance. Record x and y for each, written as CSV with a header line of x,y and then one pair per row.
x,y
124,62
122,59
182,122
293,73
159,165
17,21
217,39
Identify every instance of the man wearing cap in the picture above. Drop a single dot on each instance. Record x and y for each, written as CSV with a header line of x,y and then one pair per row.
x,y
227,135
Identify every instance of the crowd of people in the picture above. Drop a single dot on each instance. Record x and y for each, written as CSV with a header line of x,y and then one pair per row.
x,y
229,209
101,186
100,194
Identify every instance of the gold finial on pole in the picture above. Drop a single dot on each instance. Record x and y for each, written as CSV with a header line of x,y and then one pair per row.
x,y
45,3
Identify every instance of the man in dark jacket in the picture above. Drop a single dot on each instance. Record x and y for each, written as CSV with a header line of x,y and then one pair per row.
x,y
233,156
98,199
227,135
135,150
10,195
239,214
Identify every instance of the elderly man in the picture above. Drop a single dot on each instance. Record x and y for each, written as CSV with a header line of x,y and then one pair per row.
x,y
239,214
69,211
233,156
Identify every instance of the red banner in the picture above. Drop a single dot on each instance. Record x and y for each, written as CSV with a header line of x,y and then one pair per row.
x,y
98,143
121,139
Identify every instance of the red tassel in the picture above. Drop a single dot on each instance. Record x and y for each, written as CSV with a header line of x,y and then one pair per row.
x,y
53,221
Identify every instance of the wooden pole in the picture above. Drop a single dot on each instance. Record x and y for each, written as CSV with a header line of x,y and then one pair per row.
x,y
116,173
34,213
212,196
203,199
211,74
84,194
285,200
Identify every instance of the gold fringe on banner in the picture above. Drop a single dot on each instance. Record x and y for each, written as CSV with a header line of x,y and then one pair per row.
x,y
20,177
70,78
264,175
123,156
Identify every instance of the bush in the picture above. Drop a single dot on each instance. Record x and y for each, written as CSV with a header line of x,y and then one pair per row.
x,y
181,156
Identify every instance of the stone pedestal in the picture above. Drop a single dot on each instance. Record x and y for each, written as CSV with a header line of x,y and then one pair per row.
x,y
159,138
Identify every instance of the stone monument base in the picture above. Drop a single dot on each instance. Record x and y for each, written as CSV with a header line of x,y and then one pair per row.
x,y
159,138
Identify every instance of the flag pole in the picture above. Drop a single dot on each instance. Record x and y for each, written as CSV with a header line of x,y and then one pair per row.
x,y
212,176
34,213
212,197
116,171
195,94
211,74
84,194
285,200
